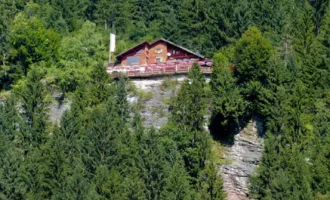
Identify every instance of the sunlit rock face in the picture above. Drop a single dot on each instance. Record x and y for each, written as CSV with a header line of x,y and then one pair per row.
x,y
155,111
58,106
245,155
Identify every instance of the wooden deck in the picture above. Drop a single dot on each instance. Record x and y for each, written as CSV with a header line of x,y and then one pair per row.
x,y
157,70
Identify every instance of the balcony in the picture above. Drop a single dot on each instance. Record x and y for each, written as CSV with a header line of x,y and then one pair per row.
x,y
161,69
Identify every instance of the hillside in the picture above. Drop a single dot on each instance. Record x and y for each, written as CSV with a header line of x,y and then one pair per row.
x,y
169,139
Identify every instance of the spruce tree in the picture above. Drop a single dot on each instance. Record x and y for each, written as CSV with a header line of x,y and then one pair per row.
x,y
177,183
100,87
188,108
108,184
103,139
228,103
306,45
121,100
252,53
210,184
11,186
77,184
34,105
9,119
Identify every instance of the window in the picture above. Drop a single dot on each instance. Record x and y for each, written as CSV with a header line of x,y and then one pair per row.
x,y
174,52
159,60
159,50
133,60
141,51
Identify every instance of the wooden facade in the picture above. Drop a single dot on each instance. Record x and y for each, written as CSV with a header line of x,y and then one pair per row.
x,y
159,51
159,58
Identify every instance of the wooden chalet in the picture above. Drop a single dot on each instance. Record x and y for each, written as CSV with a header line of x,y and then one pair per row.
x,y
158,58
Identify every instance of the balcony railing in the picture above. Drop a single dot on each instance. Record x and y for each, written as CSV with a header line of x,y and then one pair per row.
x,y
162,69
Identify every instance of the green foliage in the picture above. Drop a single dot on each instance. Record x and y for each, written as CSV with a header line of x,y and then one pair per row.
x,y
143,96
272,15
189,107
279,174
290,101
220,60
228,103
252,53
121,100
32,42
99,152
34,106
100,85
177,184
115,13
9,120
169,84
304,31
211,186
104,134
72,12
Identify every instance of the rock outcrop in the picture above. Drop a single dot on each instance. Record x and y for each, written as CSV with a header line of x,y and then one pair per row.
x,y
155,112
244,155
58,107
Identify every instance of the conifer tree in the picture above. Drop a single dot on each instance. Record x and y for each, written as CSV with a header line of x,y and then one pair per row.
x,y
77,183
100,85
252,53
319,156
72,12
137,123
68,130
10,179
34,107
211,186
121,100
203,25
305,43
11,157
5,46
278,175
103,137
108,183
271,15
228,103
153,170
118,14
36,175
80,102
177,183
188,108
9,119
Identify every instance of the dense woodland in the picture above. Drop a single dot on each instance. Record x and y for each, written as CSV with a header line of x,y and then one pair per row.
x,y
100,149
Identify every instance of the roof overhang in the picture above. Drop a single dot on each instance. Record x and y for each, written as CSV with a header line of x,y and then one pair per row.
x,y
130,49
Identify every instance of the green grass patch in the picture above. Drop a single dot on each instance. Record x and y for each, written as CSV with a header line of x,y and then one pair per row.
x,y
159,110
4,95
168,84
218,153
141,94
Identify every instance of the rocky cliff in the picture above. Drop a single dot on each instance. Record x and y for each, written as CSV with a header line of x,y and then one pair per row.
x,y
244,155
160,90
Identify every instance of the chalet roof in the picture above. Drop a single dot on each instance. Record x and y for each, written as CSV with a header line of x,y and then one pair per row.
x,y
161,39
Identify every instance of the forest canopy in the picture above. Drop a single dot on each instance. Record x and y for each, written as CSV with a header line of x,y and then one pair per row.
x,y
280,53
